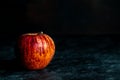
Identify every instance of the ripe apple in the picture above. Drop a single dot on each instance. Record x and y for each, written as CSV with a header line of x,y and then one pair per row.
x,y
36,50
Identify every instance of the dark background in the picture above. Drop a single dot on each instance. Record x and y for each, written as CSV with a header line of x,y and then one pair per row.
x,y
59,17
76,58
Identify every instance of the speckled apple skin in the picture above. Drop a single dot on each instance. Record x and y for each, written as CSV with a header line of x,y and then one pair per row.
x,y
37,50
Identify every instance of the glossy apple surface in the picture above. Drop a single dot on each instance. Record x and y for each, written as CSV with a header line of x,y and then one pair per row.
x,y
36,50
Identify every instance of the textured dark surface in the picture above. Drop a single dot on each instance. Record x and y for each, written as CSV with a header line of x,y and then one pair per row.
x,y
83,58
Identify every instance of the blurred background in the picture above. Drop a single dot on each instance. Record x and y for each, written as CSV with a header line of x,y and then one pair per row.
x,y
59,17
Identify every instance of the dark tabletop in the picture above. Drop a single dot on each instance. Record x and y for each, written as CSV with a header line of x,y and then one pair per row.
x,y
76,58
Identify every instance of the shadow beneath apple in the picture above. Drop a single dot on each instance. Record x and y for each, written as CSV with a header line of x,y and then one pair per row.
x,y
15,73
9,59
12,70
10,65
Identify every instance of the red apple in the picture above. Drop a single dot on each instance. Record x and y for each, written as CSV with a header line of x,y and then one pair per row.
x,y
36,50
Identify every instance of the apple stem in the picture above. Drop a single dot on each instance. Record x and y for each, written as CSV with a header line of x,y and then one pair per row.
x,y
41,32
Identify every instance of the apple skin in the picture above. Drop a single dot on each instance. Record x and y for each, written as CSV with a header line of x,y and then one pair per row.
x,y
36,50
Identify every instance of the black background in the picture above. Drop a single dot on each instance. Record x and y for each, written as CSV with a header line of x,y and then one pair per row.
x,y
76,58
59,17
